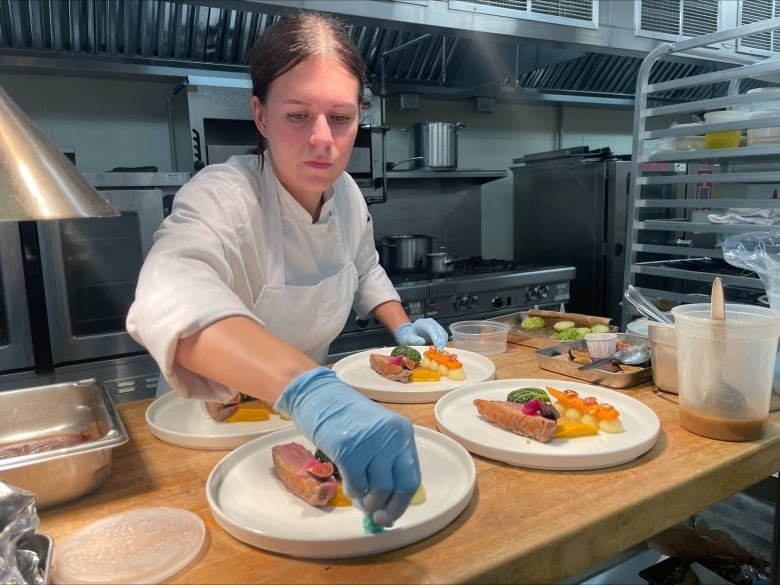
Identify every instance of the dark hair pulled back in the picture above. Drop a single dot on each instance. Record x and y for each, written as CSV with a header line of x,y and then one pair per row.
x,y
296,38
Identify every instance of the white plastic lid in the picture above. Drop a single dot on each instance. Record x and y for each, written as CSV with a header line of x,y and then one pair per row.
x,y
145,545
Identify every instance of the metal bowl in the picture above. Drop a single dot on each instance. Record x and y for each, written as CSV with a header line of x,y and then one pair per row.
x,y
33,416
663,355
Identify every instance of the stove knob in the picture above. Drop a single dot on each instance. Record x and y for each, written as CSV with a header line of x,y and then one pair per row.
x,y
361,323
472,301
532,294
459,303
544,291
497,302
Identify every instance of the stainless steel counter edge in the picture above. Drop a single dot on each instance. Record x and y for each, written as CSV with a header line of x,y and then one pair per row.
x,y
482,176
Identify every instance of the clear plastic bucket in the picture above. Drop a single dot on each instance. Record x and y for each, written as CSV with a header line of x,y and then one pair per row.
x,y
725,369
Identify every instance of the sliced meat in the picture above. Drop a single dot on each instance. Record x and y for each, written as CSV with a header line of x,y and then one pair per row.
x,y
219,411
41,444
291,464
510,416
384,366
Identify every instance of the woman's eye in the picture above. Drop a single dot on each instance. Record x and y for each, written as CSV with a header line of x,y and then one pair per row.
x,y
341,119
296,116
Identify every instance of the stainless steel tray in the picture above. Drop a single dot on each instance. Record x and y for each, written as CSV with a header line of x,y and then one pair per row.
x,y
65,473
43,546
556,359
539,338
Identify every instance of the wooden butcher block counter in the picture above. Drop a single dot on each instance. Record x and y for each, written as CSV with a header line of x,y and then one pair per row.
x,y
522,525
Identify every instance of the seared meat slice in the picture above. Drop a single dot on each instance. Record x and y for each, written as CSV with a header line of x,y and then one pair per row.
x,y
292,462
49,442
384,366
219,411
510,416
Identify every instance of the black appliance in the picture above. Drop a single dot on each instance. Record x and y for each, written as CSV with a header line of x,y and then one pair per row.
x,y
570,207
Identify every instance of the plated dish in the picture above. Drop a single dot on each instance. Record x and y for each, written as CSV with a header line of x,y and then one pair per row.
x,y
457,417
356,371
251,504
186,423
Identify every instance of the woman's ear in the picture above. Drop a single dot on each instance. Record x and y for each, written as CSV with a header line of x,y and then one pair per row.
x,y
258,112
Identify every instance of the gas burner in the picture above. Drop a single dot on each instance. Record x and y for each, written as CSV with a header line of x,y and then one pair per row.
x,y
409,277
480,265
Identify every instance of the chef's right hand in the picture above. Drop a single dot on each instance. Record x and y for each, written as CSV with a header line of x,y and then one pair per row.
x,y
372,446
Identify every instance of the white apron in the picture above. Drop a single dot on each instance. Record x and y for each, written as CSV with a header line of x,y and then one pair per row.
x,y
307,317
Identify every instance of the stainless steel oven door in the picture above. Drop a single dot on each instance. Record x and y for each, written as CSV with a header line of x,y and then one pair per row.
x,y
16,350
90,270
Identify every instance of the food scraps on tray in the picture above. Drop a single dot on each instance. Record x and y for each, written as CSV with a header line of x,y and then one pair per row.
x,y
564,326
581,357
406,364
531,412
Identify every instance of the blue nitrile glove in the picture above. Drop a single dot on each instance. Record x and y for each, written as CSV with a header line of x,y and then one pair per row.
x,y
372,446
422,332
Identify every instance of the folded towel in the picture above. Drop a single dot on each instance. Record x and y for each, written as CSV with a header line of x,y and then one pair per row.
x,y
747,216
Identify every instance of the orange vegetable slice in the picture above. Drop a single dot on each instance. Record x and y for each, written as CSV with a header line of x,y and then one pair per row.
x,y
587,404
423,375
249,414
443,357
570,430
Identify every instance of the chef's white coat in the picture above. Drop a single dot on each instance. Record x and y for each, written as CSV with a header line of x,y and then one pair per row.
x,y
219,249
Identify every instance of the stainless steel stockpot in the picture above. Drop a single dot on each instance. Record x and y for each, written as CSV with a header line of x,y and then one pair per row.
x,y
406,253
436,144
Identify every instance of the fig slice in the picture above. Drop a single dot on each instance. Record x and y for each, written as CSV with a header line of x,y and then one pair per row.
x,y
321,470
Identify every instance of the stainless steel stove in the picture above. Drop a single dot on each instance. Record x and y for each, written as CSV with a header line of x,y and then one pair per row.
x,y
478,289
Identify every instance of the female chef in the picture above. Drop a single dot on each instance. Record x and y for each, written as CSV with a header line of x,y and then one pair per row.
x,y
255,271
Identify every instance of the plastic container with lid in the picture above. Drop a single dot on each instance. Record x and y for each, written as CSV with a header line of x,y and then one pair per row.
x,y
759,136
483,337
145,545
725,138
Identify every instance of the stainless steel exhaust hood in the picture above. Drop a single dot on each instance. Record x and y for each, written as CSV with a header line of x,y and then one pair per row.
x,y
448,53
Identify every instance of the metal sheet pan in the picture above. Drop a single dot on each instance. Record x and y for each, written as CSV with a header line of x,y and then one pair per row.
x,y
555,359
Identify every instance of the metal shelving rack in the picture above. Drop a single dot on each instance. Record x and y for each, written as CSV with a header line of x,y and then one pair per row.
x,y
673,249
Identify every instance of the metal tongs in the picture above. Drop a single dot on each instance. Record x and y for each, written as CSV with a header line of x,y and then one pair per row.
x,y
644,306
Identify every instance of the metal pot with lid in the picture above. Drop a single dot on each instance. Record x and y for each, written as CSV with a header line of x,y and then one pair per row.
x,y
406,253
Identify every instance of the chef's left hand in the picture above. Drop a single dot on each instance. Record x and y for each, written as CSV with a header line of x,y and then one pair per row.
x,y
422,332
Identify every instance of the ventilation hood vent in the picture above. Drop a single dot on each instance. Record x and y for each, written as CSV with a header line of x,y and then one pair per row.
x,y
195,37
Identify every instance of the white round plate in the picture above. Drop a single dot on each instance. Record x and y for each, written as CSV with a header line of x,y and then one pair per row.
x,y
356,371
185,422
457,417
251,504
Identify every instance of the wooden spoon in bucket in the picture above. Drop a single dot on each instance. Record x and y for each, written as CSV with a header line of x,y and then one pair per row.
x,y
733,398
717,304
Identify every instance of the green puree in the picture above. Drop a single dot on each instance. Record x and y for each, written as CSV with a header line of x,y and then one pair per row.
x,y
369,527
